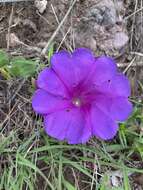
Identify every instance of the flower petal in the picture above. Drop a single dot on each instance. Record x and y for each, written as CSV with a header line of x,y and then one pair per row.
x,y
119,108
118,86
84,60
44,103
102,124
72,68
49,81
104,70
83,56
68,124
62,65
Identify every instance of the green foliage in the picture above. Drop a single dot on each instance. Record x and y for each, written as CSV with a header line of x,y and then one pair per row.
x,y
104,182
16,67
21,67
50,52
29,156
4,60
68,185
126,180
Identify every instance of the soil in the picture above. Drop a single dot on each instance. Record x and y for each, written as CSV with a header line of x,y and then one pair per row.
x,y
105,26
99,25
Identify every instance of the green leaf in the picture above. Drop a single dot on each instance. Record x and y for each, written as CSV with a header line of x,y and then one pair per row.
x,y
5,73
4,60
50,52
21,67
126,180
68,185
27,163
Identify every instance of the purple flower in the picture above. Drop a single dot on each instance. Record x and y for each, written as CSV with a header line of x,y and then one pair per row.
x,y
81,96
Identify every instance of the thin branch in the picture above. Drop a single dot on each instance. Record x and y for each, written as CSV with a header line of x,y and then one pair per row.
x,y
57,30
131,63
9,27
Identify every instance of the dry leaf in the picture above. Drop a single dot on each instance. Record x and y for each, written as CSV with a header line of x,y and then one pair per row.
x,y
13,40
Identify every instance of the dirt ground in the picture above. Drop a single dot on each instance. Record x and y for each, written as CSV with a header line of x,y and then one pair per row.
x,y
111,27
107,27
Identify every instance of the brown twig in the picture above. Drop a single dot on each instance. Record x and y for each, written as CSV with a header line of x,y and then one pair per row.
x,y
9,27
57,30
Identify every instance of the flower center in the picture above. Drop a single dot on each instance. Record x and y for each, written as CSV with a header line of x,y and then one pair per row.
x,y
76,102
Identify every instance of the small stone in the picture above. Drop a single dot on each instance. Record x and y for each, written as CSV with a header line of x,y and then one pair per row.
x,y
41,5
104,13
120,40
13,40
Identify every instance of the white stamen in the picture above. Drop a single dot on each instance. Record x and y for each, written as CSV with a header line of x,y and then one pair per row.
x,y
77,102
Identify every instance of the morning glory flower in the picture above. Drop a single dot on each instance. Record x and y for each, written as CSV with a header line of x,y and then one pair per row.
x,y
81,96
